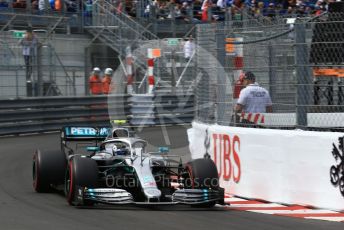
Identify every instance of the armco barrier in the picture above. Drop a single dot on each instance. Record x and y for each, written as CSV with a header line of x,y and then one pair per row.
x,y
27,115
285,166
161,109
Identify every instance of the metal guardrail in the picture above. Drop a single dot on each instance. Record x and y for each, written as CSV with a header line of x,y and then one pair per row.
x,y
30,115
161,109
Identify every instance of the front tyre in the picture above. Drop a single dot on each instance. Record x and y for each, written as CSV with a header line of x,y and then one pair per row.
x,y
81,172
202,174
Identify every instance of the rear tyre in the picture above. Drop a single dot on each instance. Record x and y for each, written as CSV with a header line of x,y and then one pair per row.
x,y
202,174
48,168
81,172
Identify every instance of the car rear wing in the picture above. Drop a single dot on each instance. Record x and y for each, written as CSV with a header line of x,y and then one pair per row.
x,y
80,133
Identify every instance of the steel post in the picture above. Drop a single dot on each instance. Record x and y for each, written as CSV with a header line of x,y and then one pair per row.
x,y
303,76
220,108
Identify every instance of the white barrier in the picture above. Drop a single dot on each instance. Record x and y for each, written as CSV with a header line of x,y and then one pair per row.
x,y
285,166
319,120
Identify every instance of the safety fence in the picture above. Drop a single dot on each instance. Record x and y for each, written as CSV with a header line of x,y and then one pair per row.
x,y
41,114
56,66
299,63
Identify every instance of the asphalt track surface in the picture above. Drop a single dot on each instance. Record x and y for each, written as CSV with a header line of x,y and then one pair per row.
x,y
22,208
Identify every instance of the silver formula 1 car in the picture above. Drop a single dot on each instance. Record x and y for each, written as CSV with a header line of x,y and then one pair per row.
x,y
99,165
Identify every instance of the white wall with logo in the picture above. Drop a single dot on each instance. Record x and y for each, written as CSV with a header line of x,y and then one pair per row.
x,y
286,166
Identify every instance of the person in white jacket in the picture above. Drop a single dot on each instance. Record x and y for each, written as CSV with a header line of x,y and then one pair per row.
x,y
253,98
221,4
42,6
189,48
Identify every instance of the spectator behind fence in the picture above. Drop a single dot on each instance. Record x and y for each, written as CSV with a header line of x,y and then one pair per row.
x,y
19,4
58,5
205,6
52,4
42,7
3,4
106,81
189,48
23,4
253,98
29,44
95,83
270,11
88,12
71,5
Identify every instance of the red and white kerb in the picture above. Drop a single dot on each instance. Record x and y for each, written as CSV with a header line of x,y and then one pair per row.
x,y
256,118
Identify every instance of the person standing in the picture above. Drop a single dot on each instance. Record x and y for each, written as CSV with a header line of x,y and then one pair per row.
x,y
106,81
253,98
88,12
95,83
206,5
29,44
189,48
42,6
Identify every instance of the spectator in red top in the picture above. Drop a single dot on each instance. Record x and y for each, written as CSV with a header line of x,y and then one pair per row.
x,y
106,81
95,83
205,6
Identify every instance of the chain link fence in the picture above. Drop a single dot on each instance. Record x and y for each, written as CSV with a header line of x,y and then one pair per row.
x,y
56,67
299,61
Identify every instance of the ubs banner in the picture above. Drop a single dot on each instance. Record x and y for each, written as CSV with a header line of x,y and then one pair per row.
x,y
286,166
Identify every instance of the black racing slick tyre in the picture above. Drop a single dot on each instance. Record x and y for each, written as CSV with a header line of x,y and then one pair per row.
x,y
48,168
81,172
202,174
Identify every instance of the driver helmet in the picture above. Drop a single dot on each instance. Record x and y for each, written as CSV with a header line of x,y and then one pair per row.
x,y
120,151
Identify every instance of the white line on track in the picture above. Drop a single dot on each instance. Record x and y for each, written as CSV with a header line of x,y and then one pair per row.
x,y
335,218
297,212
232,199
256,205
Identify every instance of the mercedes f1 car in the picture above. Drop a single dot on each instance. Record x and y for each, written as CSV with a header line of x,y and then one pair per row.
x,y
99,165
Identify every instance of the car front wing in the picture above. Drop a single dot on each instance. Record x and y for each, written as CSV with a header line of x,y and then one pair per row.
x,y
112,196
